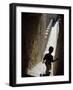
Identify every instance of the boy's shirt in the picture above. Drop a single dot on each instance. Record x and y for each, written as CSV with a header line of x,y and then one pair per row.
x,y
48,58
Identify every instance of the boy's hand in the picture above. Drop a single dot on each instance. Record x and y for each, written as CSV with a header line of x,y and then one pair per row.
x,y
56,59
43,62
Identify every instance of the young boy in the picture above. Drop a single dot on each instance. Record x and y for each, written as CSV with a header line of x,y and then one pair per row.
x,y
48,58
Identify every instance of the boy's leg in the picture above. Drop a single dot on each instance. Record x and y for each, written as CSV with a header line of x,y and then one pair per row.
x,y
48,67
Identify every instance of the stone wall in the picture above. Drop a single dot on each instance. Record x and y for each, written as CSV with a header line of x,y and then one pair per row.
x,y
59,64
33,39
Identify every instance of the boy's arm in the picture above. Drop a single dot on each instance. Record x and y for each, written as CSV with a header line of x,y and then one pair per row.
x,y
55,60
44,58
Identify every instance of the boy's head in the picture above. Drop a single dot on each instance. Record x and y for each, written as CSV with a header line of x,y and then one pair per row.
x,y
51,49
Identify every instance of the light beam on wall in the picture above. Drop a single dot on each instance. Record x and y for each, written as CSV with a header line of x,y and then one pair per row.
x,y
52,40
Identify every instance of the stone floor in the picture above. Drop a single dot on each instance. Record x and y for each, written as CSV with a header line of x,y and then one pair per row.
x,y
39,70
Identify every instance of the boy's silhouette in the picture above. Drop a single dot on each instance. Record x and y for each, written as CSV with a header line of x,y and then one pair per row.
x,y
48,58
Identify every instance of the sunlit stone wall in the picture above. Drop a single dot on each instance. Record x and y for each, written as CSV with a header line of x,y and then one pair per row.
x,y
33,39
